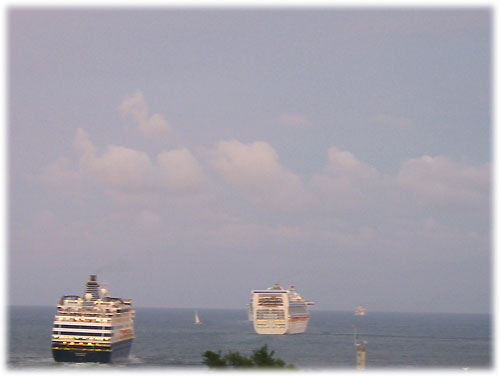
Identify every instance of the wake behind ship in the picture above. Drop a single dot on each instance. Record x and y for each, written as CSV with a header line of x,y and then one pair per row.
x,y
95,328
278,311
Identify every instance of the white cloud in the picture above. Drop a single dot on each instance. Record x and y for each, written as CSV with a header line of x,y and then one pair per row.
x,y
61,173
251,166
255,169
346,183
151,126
135,107
123,171
83,144
179,170
343,165
346,186
118,168
123,168
440,180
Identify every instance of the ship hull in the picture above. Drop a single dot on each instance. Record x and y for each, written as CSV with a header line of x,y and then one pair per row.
x,y
79,354
270,328
296,326
290,326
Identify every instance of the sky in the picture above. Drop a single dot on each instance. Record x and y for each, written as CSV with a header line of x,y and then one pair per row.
x,y
189,155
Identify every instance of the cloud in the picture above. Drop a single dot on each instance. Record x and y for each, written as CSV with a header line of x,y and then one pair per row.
x,y
118,168
252,166
179,170
349,186
345,186
343,165
83,144
442,181
61,173
122,170
255,169
345,183
136,108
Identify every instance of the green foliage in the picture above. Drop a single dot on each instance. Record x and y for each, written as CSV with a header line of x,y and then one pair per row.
x,y
260,358
213,360
236,360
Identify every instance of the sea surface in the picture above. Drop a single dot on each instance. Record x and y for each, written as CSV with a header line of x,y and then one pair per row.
x,y
168,338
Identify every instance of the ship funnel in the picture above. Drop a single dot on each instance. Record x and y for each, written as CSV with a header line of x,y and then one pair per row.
x,y
92,288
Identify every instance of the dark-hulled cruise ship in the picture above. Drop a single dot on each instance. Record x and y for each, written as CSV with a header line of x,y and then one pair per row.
x,y
95,328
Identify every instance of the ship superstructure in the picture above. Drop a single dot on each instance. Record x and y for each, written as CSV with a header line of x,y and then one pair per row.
x,y
92,328
279,311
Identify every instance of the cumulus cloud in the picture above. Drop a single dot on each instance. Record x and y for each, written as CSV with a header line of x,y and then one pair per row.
x,y
345,183
61,173
255,169
179,170
344,165
123,170
440,180
251,166
83,144
135,107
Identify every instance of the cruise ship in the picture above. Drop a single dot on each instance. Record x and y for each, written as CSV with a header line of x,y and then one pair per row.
x,y
95,328
278,311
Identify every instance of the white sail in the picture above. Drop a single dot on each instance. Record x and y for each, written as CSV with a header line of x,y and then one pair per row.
x,y
196,318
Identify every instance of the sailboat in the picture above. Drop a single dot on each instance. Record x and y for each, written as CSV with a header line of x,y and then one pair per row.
x,y
196,318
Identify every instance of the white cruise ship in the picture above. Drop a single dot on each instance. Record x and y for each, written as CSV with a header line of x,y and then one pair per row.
x,y
95,328
278,311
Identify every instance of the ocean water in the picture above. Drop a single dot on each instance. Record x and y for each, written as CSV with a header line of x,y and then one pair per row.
x,y
168,338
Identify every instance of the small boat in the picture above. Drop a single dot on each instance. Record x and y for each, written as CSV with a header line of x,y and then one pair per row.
x,y
360,311
196,318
